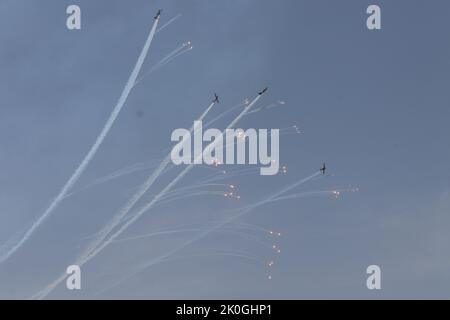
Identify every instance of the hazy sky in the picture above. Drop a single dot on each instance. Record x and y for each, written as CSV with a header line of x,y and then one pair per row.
x,y
373,104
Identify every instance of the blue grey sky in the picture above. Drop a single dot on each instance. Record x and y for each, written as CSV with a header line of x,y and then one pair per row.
x,y
374,105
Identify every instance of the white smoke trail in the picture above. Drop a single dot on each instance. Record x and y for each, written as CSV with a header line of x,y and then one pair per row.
x,y
150,71
117,219
113,176
305,194
193,187
175,231
122,172
172,58
215,120
185,47
240,213
223,114
90,155
188,195
182,193
199,227
100,243
217,176
228,175
168,187
168,23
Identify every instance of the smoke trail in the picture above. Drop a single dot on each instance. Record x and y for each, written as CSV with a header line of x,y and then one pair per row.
x,y
97,245
167,188
172,58
216,119
240,213
176,231
238,227
181,191
164,61
146,73
168,23
122,172
90,155
113,176
306,194
189,195
221,176
117,219
223,114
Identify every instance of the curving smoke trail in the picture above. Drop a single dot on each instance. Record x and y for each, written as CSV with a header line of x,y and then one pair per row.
x,y
113,176
184,48
224,113
90,155
168,23
246,228
118,218
170,59
122,172
235,231
161,195
102,240
240,213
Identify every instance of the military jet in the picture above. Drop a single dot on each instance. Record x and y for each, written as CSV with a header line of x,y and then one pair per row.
x,y
158,14
323,169
216,98
263,91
